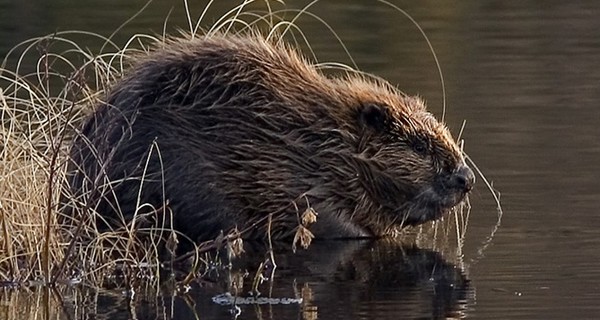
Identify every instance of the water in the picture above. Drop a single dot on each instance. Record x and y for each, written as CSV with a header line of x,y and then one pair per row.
x,y
524,76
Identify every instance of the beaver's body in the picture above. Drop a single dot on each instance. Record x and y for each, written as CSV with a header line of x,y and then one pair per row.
x,y
223,131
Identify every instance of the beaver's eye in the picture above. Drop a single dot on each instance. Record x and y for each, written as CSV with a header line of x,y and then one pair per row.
x,y
420,146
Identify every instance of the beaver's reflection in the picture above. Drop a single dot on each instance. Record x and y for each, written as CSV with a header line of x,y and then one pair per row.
x,y
391,281
334,279
342,279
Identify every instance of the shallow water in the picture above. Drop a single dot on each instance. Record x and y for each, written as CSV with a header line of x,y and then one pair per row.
x,y
524,76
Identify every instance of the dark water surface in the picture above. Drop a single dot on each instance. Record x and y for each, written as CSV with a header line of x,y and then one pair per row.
x,y
524,75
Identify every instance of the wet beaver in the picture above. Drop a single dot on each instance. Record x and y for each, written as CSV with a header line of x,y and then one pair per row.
x,y
222,131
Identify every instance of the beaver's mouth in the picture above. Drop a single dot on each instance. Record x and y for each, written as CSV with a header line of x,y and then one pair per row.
x,y
434,201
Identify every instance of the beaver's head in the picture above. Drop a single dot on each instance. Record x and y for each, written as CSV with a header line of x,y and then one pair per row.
x,y
406,160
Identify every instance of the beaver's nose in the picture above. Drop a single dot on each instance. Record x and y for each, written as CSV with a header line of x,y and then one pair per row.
x,y
462,179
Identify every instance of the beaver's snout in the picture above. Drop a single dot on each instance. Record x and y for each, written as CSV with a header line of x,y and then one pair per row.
x,y
454,186
462,179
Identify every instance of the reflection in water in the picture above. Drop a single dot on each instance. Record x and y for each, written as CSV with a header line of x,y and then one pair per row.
x,y
383,280
333,280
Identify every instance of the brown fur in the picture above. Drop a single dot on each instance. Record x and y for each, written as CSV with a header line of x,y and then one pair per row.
x,y
225,130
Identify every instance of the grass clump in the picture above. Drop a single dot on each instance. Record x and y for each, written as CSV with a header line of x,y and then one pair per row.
x,y
45,95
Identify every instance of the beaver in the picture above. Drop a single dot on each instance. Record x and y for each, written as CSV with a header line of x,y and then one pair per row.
x,y
222,131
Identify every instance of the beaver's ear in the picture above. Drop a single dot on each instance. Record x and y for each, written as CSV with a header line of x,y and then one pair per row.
x,y
374,116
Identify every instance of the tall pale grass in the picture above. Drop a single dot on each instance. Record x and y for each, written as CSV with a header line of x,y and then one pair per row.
x,y
45,95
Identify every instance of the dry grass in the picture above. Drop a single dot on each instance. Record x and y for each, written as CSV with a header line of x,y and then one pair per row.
x,y
45,96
